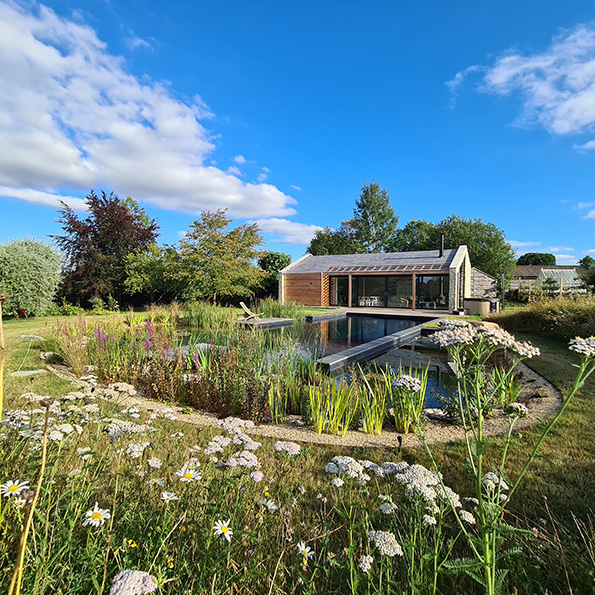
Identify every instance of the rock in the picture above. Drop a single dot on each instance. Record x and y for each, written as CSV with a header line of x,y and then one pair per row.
x,y
24,373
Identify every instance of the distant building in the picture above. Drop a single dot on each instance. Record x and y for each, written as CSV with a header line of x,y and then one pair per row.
x,y
536,278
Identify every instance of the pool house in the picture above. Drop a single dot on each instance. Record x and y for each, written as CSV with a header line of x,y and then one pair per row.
x,y
430,279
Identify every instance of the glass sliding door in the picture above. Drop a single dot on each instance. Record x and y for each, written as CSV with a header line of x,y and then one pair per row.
x,y
432,292
400,291
339,291
369,292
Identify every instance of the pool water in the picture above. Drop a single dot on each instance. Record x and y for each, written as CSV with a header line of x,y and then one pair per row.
x,y
339,334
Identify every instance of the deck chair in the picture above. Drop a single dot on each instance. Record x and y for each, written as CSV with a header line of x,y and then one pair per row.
x,y
249,315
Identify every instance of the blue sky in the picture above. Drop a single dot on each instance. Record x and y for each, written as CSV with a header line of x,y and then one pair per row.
x,y
279,111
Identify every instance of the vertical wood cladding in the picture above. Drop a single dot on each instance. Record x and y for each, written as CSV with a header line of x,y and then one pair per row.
x,y
325,296
304,289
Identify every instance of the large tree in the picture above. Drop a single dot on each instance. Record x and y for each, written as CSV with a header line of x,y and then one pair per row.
x,y
96,247
374,221
217,263
372,228
537,258
29,276
488,249
334,241
587,262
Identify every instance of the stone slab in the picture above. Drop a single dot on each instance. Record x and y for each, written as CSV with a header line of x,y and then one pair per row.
x,y
25,373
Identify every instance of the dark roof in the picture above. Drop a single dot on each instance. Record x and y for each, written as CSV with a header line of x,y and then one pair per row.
x,y
426,260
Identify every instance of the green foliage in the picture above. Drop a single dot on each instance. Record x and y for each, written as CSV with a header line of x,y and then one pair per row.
x,y
96,247
589,279
29,275
587,262
374,221
372,228
537,258
215,263
488,250
330,241
150,273
272,263
561,318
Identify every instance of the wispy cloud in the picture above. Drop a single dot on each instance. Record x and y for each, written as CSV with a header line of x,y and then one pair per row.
x,y
565,257
525,244
585,205
74,118
557,85
239,159
134,42
588,146
284,231
560,249
296,188
589,215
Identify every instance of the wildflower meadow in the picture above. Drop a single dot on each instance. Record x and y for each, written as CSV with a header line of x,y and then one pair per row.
x,y
101,496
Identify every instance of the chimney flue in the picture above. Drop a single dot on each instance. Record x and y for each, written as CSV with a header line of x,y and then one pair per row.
x,y
441,252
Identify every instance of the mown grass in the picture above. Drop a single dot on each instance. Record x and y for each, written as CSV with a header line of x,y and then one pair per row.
x,y
175,541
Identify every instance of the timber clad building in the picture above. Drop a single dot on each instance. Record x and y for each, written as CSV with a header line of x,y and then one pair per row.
x,y
430,279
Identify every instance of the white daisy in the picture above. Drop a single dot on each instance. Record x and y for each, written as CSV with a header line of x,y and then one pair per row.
x,y
188,474
168,496
97,516
304,551
13,488
222,528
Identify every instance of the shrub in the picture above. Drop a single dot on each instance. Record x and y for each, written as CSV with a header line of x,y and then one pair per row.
x,y
29,275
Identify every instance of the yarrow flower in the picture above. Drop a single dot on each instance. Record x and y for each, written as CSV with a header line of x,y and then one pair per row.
x,y
290,448
222,528
584,347
304,551
133,582
365,563
408,382
154,462
386,542
257,476
97,516
467,517
13,488
517,409
337,482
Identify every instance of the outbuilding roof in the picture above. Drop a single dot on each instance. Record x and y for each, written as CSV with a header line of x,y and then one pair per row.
x,y
420,261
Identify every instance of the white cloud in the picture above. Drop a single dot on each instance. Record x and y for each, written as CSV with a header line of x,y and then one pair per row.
x,y
516,244
296,188
235,171
557,85
585,146
591,251
262,177
589,215
74,118
134,42
266,170
565,257
239,159
584,205
560,249
287,232
44,198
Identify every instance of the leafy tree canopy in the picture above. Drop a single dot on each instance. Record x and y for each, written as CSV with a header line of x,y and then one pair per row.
x,y
149,273
587,262
272,263
374,221
334,241
96,247
537,258
29,276
217,263
488,249
371,229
